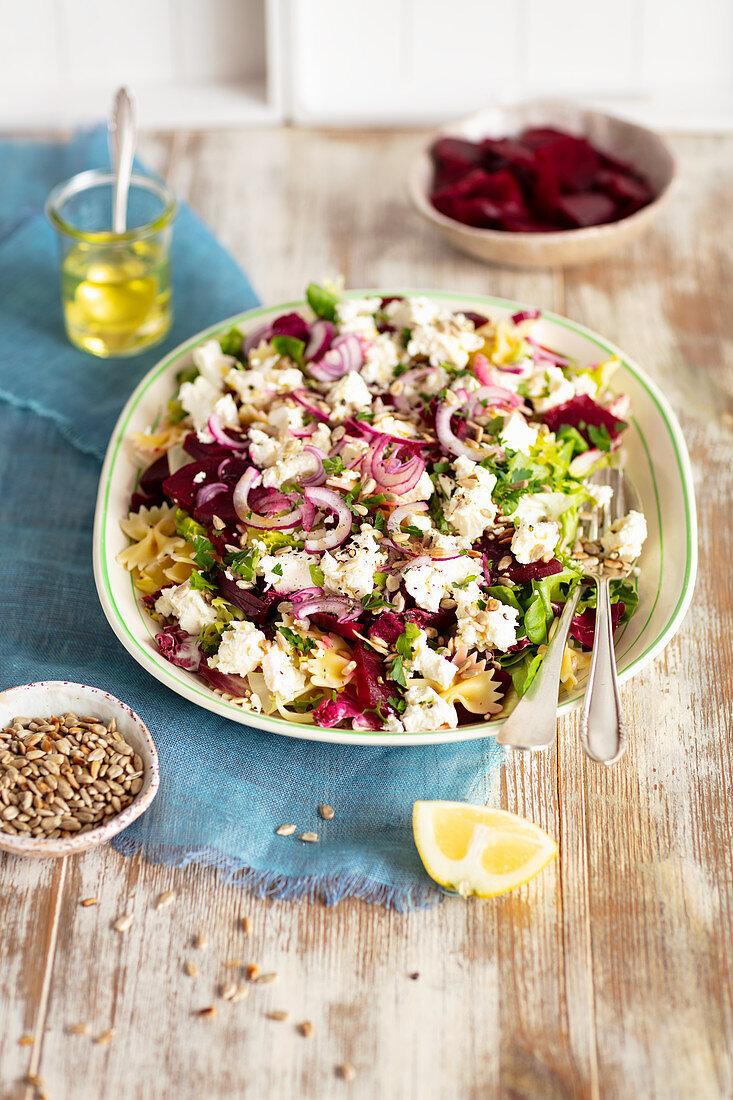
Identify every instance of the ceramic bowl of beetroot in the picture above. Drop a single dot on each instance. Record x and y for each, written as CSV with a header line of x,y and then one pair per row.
x,y
542,183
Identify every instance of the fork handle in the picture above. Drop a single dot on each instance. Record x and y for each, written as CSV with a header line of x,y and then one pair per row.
x,y
602,727
533,722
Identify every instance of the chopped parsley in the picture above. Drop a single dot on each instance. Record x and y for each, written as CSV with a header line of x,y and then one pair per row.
x,y
277,570
404,644
397,672
303,645
244,563
599,436
231,342
373,602
334,465
198,580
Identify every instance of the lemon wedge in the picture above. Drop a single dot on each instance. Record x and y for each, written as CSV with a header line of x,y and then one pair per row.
x,y
477,851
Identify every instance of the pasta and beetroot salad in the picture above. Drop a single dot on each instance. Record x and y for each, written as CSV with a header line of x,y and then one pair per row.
x,y
364,513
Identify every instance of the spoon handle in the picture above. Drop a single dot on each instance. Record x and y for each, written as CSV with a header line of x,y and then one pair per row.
x,y
602,726
122,139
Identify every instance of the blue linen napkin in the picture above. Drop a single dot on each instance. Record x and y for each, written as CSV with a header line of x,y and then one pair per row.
x,y
224,787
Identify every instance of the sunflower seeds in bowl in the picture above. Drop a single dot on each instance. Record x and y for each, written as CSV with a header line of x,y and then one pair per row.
x,y
76,774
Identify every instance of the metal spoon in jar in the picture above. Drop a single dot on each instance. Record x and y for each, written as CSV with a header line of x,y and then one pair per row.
x,y
122,132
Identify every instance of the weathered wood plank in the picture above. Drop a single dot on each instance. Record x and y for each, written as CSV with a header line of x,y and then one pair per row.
x,y
610,975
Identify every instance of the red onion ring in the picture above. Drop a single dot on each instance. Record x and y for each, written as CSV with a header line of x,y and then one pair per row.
x,y
254,338
360,427
481,368
451,442
299,396
303,433
247,481
392,474
206,492
216,428
321,335
319,476
546,355
344,355
324,538
344,610
400,513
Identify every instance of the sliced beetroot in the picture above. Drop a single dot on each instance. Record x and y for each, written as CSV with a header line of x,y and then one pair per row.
x,y
581,411
478,318
291,324
193,446
583,626
540,181
151,480
330,625
587,208
256,605
183,488
370,679
520,574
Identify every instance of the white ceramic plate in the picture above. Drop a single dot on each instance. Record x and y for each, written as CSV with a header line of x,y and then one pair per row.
x,y
657,462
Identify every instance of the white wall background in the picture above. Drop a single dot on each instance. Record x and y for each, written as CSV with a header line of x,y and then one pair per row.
x,y
362,62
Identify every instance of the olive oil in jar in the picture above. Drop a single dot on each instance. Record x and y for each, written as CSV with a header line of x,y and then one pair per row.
x,y
116,297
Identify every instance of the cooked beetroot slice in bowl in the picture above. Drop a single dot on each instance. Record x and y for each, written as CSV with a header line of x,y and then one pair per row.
x,y
542,181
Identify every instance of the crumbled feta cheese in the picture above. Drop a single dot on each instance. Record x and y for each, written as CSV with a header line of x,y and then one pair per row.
x,y
263,449
426,710
517,434
430,583
406,312
187,605
351,569
357,315
251,387
228,414
198,398
282,676
535,541
213,364
550,387
348,396
422,491
600,495
626,537
200,476
585,384
392,425
286,419
290,467
392,724
493,627
352,449
381,356
444,343
536,506
264,357
471,508
416,388
287,572
241,649
434,667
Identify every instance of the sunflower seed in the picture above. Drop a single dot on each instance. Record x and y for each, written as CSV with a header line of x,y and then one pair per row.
x,y
208,1012
285,830
252,971
241,994
305,1028
165,899
123,923
326,812
88,901
310,838
227,991
279,1016
346,1071
78,1029
267,979
190,969
200,941
246,924
105,1037
26,1041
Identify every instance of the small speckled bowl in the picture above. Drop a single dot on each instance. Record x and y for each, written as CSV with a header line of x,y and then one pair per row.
x,y
639,147
53,697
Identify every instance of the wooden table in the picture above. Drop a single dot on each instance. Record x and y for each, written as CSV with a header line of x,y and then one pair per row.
x,y
612,973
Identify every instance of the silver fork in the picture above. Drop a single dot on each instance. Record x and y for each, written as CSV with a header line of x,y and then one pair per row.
x,y
602,724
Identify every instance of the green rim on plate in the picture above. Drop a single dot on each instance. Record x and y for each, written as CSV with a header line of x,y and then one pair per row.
x,y
138,641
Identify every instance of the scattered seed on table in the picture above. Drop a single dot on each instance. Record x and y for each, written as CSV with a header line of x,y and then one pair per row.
x,y
326,811
240,995
208,1012
34,1079
346,1071
86,902
165,899
190,969
201,941
105,1037
414,976
305,1028
252,972
123,923
78,1029
246,924
227,991
232,964
267,979
310,838
285,830
279,1016
26,1041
